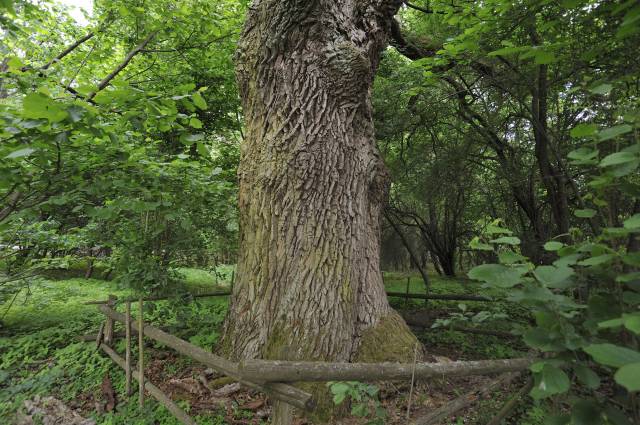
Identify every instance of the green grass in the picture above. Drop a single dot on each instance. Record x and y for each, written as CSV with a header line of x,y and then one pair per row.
x,y
198,279
397,282
52,302
40,353
444,341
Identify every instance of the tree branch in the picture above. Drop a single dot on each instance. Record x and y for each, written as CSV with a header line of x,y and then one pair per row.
x,y
66,51
406,48
106,80
421,9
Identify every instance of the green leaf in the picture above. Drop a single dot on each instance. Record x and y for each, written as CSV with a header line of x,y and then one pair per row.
x,y
554,277
553,245
567,260
20,153
583,156
199,101
612,323
540,339
611,132
612,355
7,5
189,139
601,89
615,416
339,387
629,376
37,105
195,123
481,246
509,50
583,130
570,4
507,240
585,213
372,390
496,274
493,229
587,377
15,65
632,322
585,412
202,150
617,159
628,277
597,260
510,257
632,259
632,222
543,57
76,112
552,380
359,409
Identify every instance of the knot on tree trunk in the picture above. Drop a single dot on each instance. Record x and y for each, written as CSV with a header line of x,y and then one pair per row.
x,y
347,72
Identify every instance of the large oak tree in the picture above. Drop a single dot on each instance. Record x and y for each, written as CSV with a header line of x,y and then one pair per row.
x,y
312,185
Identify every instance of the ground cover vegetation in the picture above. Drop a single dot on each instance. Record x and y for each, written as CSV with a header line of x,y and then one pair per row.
x,y
472,148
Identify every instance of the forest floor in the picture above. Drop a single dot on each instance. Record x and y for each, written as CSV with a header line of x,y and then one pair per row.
x,y
44,368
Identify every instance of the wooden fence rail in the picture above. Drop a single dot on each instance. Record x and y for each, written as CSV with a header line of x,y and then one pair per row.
x,y
272,376
152,389
287,371
287,393
162,297
441,297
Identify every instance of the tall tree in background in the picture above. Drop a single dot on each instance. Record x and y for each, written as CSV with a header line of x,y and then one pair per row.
x,y
312,184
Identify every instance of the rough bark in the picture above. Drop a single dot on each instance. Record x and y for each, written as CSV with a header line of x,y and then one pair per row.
x,y
312,185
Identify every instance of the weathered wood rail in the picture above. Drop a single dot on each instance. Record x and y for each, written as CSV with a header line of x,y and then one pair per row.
x,y
287,371
440,297
271,377
152,389
162,297
287,393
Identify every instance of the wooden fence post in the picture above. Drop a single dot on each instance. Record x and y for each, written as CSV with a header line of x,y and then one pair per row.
x,y
100,334
406,299
108,329
141,354
128,348
156,392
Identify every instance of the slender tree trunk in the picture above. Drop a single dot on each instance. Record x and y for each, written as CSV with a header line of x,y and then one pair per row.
x,y
414,257
312,185
552,178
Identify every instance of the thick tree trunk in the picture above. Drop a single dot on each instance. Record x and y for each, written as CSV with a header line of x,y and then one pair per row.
x,y
312,185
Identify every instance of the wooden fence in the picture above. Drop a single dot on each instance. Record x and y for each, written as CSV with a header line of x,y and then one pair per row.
x,y
274,377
